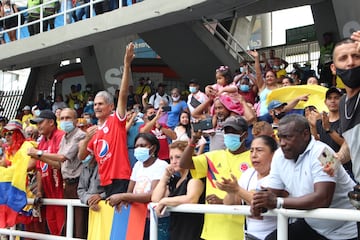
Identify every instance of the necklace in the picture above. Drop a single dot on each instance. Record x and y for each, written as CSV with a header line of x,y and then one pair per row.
x,y
354,109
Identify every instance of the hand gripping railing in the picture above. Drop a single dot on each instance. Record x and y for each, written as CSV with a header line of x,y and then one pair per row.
x,y
233,48
69,203
282,215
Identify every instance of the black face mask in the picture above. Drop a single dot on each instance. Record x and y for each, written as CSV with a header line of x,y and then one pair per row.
x,y
350,77
151,117
279,115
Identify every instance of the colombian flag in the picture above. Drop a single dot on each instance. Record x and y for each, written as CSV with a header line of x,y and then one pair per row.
x,y
211,172
13,186
128,224
289,93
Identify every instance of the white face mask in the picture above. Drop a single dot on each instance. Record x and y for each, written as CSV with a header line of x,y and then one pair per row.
x,y
175,99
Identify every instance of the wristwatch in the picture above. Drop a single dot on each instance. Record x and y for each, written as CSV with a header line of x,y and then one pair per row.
x,y
39,153
329,130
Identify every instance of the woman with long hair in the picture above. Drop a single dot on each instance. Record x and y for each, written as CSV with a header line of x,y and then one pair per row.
x,y
173,190
183,132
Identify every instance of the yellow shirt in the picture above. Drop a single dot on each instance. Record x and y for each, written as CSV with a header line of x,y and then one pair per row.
x,y
26,120
140,90
222,164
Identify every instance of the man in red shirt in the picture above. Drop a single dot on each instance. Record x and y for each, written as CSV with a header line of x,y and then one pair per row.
x,y
107,141
49,179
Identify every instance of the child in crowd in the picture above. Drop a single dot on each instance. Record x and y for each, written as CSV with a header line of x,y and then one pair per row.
x,y
224,88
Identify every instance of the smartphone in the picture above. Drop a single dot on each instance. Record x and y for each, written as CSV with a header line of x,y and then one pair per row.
x,y
202,125
327,158
166,109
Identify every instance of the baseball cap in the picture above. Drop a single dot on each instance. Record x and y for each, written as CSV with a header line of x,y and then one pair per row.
x,y
26,108
236,122
275,104
194,81
44,114
333,90
14,124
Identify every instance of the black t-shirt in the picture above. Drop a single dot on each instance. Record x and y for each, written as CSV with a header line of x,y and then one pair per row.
x,y
350,129
185,225
326,138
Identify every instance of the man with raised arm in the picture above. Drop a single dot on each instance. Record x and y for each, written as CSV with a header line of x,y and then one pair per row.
x,y
107,141
346,65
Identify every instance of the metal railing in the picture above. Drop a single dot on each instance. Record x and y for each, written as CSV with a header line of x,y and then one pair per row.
x,y
282,215
42,7
10,102
230,42
69,203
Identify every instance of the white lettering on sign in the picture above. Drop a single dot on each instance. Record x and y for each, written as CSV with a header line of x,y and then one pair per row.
x,y
113,75
255,44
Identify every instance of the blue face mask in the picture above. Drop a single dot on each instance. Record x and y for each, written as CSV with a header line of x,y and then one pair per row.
x,y
67,126
90,103
232,141
87,159
244,87
241,69
37,112
142,154
192,89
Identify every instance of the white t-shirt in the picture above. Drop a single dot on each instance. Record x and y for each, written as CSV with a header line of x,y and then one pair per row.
x,y
156,98
199,96
298,178
143,176
259,228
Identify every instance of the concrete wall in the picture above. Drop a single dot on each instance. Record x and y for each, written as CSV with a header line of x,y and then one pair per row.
x,y
41,79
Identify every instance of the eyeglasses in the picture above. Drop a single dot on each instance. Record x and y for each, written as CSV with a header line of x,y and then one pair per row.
x,y
8,133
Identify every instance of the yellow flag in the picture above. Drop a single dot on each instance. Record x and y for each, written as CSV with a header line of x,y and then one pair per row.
x,y
289,93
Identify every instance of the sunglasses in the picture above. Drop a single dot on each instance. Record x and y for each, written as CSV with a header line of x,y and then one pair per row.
x,y
8,133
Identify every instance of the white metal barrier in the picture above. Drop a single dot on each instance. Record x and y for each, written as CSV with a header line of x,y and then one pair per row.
x,y
282,215
63,13
69,203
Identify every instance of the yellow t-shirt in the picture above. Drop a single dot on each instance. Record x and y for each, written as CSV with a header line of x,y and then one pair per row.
x,y
26,120
281,73
140,90
222,164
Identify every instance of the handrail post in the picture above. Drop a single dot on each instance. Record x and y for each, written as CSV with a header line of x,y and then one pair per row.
x,y
65,11
18,26
69,219
91,6
153,222
41,18
282,226
11,236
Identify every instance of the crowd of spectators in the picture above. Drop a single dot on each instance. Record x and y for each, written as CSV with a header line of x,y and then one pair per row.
x,y
30,12
245,150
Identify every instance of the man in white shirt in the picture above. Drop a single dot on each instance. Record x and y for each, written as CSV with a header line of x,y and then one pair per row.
x,y
159,95
296,168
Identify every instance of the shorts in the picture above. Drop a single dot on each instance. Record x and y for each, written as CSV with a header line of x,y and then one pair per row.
x,y
10,22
